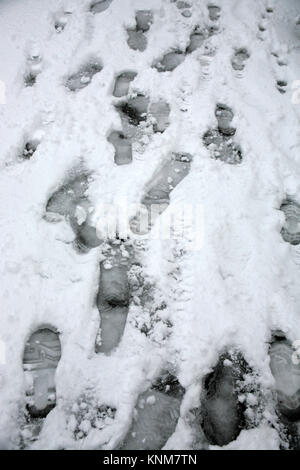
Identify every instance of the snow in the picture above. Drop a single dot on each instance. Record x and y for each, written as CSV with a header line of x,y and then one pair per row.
x,y
230,292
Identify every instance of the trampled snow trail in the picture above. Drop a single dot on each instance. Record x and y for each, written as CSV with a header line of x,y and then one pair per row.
x,y
99,102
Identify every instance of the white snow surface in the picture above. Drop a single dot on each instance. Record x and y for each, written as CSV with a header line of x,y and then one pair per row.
x,y
244,280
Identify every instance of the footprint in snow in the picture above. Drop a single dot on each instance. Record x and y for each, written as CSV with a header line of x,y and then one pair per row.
x,y
41,356
285,367
99,6
171,60
133,112
122,146
158,190
281,86
137,39
122,83
222,414
291,230
240,58
185,8
71,202
155,416
220,140
33,68
113,294
84,76
61,21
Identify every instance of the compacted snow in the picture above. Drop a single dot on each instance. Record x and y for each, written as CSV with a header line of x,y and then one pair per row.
x,y
171,325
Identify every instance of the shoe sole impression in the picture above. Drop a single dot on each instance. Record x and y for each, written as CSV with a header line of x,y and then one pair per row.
x,y
291,230
41,356
155,417
70,201
113,296
157,192
285,368
222,414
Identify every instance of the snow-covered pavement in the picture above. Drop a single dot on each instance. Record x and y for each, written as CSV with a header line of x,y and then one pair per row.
x,y
192,105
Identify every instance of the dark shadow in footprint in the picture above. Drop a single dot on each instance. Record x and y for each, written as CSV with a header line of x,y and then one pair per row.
x,y
170,61
197,38
285,367
222,414
138,109
33,69
137,39
214,12
99,5
113,296
281,86
156,416
71,202
291,230
219,141
157,194
240,58
122,146
83,77
122,83
29,149
41,356
134,110
61,21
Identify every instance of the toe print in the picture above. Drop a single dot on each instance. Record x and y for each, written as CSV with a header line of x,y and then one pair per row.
x,y
122,83
291,229
41,356
155,417
222,413
99,6
83,77
219,141
239,59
